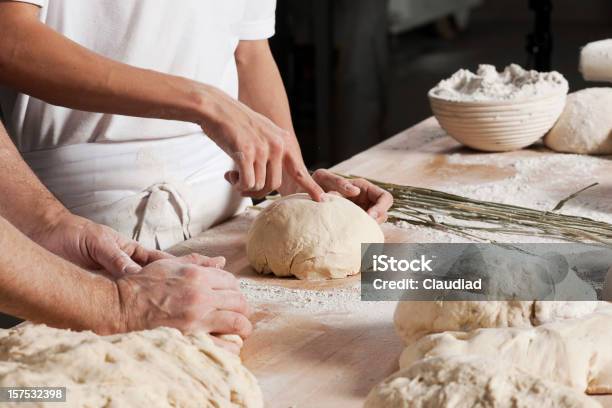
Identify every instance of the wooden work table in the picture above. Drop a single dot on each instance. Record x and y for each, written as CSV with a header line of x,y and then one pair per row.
x,y
333,359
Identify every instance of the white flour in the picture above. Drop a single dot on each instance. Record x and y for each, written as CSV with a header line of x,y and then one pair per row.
x,y
514,83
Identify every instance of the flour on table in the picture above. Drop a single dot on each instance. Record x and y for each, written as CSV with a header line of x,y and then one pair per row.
x,y
524,188
514,83
466,382
156,368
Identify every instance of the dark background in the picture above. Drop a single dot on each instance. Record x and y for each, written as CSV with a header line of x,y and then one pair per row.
x,y
355,79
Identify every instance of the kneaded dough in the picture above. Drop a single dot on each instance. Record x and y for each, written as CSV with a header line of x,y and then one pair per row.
x,y
574,352
295,236
596,61
466,382
414,320
156,368
585,126
607,289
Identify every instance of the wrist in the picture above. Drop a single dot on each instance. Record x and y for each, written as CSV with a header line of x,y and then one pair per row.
x,y
115,317
46,223
198,104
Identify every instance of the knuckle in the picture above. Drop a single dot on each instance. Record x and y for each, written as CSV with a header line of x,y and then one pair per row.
x,y
239,324
319,173
190,272
277,144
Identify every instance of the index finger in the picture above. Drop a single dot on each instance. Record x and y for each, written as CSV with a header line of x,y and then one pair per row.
x,y
219,279
304,180
201,260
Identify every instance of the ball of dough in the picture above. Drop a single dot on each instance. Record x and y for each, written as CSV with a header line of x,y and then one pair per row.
x,y
156,368
585,126
471,382
295,236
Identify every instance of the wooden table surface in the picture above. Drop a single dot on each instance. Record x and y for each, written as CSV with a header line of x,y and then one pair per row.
x,y
333,359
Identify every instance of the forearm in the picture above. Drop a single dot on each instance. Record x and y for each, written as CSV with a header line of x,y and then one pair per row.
x,y
38,286
261,85
38,61
262,89
25,201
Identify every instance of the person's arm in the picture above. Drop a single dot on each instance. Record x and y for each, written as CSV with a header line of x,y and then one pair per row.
x,y
36,285
262,89
38,61
189,293
29,206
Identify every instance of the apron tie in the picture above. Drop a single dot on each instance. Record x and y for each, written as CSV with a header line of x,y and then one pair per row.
x,y
161,201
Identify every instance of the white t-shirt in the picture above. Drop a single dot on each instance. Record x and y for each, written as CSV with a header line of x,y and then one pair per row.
x,y
190,38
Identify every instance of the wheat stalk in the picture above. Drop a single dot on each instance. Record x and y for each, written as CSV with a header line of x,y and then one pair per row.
x,y
465,216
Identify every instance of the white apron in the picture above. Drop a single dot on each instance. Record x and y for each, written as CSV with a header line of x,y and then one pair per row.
x,y
158,192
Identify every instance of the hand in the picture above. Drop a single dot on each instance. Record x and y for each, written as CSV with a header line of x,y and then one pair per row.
x,y
264,153
368,196
95,247
190,293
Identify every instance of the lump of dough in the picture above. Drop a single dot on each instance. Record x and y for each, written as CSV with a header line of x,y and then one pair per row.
x,y
596,61
157,368
574,352
295,236
607,289
414,320
585,126
539,277
466,382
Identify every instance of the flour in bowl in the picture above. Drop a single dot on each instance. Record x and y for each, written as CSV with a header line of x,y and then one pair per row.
x,y
488,85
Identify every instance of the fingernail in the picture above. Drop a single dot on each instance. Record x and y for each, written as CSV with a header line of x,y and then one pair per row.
x,y
374,214
325,198
131,269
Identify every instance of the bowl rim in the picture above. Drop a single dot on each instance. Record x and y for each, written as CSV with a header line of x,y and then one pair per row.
x,y
549,95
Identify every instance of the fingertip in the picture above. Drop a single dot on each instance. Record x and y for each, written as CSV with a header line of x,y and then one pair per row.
x,y
131,268
351,189
219,261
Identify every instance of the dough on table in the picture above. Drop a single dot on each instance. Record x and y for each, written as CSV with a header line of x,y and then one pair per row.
x,y
466,382
596,61
585,126
295,236
573,352
156,368
607,289
544,278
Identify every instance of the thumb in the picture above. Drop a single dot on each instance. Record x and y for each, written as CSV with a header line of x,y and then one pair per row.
x,y
115,261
